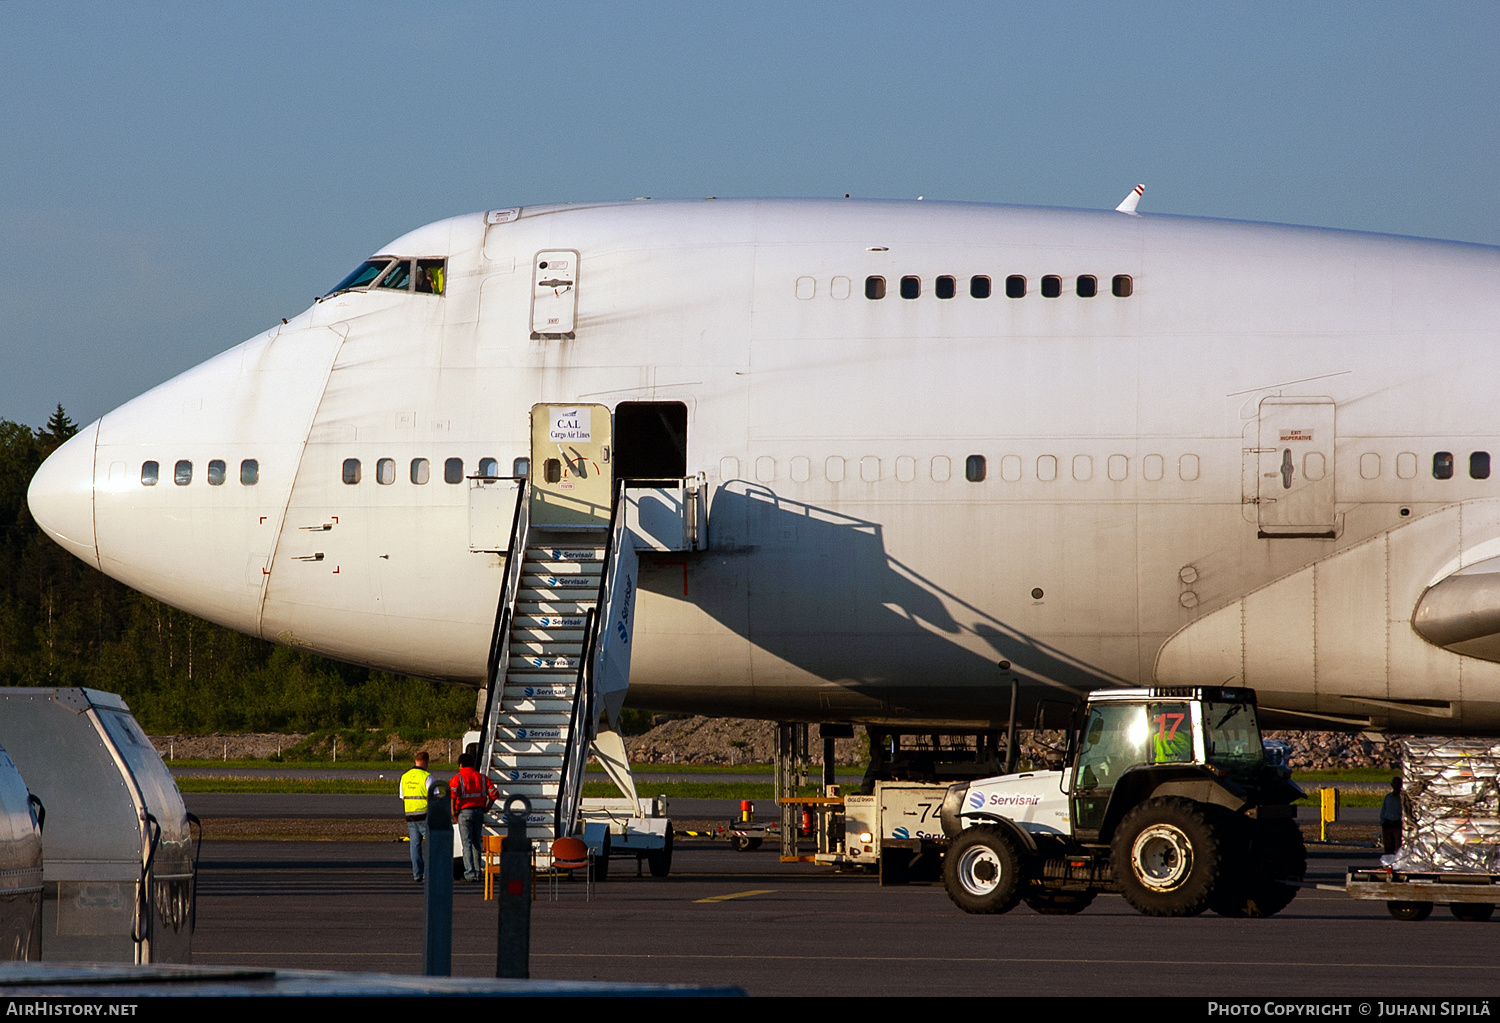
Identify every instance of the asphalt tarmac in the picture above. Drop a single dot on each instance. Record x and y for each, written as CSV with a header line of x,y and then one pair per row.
x,y
797,929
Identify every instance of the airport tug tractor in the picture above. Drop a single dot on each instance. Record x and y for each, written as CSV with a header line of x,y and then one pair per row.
x,y
1167,798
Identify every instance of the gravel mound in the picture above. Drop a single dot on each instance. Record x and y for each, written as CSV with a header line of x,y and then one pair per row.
x,y
730,741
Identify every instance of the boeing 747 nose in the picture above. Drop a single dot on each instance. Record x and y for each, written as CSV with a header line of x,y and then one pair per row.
x,y
62,495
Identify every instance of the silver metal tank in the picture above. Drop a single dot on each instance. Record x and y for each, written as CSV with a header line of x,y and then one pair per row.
x,y
118,861
20,866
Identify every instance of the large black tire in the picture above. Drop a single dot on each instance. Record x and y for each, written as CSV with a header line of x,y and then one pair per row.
x,y
1063,903
1262,876
982,871
1409,910
659,861
1475,912
1167,857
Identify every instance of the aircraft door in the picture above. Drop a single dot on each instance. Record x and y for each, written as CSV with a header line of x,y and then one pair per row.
x,y
571,474
554,294
1295,463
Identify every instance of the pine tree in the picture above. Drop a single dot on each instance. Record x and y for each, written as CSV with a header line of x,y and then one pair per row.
x,y
58,429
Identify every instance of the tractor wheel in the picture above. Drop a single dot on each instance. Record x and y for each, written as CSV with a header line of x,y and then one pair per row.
x,y
1475,912
1262,882
659,861
1060,903
1409,910
982,871
1167,857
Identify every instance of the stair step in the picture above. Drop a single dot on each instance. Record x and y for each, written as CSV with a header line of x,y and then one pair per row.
x,y
528,648
527,746
562,602
566,623
533,679
516,778
537,691
564,553
505,761
541,641
588,569
533,719
543,662
539,803
527,705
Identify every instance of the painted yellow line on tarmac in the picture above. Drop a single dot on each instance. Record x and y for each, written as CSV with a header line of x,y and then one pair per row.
x,y
737,895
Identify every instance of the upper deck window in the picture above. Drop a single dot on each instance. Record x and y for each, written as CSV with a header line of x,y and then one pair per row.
x,y
427,276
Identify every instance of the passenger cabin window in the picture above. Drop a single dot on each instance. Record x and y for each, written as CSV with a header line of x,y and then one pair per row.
x,y
216,473
453,470
149,473
1479,465
420,471
351,471
874,287
1051,286
249,472
182,473
521,467
1088,286
974,469
385,471
1122,286
945,287
1442,465
911,287
1015,286
979,287
489,468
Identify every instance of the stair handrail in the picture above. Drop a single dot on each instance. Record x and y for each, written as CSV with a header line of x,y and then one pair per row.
x,y
583,721
499,657
575,757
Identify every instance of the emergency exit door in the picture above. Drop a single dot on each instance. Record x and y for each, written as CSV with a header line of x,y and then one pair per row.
x,y
571,474
1295,485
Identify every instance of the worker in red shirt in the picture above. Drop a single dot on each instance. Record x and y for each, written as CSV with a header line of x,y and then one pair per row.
x,y
473,794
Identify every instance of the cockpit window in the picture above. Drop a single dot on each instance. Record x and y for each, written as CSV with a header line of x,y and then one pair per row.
x,y
430,276
362,276
399,277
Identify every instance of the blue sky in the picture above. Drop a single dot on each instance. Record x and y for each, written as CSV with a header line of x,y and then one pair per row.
x,y
179,176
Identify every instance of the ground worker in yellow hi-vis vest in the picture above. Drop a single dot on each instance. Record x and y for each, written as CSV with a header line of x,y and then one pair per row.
x,y
414,796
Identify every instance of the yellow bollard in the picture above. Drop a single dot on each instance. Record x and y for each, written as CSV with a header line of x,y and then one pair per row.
x,y
1328,811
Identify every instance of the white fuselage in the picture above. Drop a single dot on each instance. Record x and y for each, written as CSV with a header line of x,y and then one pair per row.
x,y
1225,477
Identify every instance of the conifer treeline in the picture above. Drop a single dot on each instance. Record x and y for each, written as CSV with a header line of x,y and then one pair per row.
x,y
63,623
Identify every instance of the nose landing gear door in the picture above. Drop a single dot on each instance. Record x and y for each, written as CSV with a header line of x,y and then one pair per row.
x,y
571,471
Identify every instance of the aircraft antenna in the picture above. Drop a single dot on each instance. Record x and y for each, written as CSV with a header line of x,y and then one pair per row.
x,y
1128,206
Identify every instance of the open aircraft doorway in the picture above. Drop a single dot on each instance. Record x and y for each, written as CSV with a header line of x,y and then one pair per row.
x,y
651,440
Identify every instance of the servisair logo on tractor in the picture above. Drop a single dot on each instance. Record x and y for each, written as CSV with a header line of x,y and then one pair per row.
x,y
978,799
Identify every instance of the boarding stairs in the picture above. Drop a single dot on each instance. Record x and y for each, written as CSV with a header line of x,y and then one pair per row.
x,y
560,655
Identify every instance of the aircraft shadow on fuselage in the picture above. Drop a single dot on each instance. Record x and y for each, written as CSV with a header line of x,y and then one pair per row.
x,y
817,589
